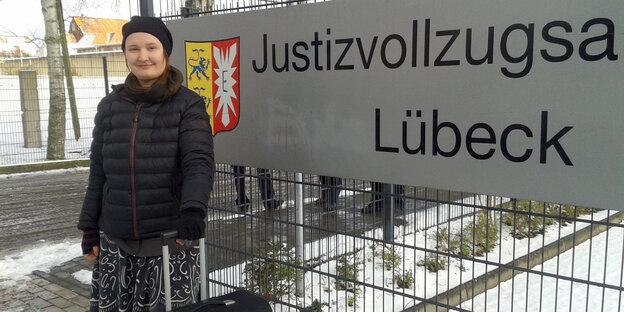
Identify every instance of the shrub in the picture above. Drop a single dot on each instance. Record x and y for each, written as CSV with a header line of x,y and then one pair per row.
x,y
484,231
317,306
404,280
570,211
347,268
442,238
435,262
351,301
462,247
521,223
477,238
526,225
453,245
266,275
391,258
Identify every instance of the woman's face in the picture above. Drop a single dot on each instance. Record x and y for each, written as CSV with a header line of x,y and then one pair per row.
x,y
145,57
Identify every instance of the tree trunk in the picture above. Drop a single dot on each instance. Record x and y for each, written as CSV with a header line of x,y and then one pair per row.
x,y
68,75
56,124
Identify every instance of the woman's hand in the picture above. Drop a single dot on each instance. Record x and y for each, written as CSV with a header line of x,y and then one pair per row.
x,y
93,254
90,244
191,225
184,242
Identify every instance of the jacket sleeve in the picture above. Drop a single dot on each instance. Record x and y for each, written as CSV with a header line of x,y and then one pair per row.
x,y
196,155
92,204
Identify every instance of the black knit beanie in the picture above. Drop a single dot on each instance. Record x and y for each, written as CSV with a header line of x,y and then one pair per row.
x,y
151,25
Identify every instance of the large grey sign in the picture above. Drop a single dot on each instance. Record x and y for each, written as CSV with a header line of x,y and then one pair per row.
x,y
515,98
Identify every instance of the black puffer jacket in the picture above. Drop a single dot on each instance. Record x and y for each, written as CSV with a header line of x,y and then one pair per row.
x,y
149,162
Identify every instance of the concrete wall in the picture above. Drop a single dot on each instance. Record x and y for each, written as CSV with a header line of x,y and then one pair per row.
x,y
89,64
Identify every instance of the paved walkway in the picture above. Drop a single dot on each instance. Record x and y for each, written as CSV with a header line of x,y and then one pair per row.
x,y
55,291
36,208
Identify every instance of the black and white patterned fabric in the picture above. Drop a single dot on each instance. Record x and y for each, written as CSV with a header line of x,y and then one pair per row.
x,y
122,282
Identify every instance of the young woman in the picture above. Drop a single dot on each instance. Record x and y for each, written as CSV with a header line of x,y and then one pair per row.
x,y
152,168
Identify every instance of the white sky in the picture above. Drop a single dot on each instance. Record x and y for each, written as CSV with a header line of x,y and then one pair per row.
x,y
24,17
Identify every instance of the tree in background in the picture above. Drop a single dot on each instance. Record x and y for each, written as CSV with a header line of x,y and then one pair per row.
x,y
203,5
67,67
56,124
58,68
194,6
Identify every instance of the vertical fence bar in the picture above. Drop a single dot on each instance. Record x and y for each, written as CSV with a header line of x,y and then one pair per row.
x,y
146,7
388,201
300,292
105,69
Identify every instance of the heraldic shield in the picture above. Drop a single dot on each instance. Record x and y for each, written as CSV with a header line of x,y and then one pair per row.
x,y
212,69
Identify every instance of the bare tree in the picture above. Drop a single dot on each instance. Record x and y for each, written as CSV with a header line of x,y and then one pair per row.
x,y
67,67
56,124
199,5
79,7
34,35
58,69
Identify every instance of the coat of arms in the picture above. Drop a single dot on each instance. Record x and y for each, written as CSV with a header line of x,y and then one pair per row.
x,y
212,69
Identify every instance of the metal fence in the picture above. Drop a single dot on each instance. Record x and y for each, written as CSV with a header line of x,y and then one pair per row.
x,y
25,97
377,247
436,250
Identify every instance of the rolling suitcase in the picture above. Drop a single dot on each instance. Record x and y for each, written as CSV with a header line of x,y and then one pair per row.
x,y
238,301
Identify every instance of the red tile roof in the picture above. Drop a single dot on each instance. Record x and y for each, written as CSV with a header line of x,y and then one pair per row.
x,y
106,30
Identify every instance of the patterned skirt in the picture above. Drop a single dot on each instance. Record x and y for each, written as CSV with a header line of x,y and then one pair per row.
x,y
123,282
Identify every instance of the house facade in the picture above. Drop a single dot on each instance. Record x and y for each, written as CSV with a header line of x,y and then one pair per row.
x,y
17,47
89,34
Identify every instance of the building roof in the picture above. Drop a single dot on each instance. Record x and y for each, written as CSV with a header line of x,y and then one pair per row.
x,y
16,46
103,30
7,39
70,38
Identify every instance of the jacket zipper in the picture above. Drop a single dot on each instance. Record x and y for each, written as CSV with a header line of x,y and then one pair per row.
x,y
135,124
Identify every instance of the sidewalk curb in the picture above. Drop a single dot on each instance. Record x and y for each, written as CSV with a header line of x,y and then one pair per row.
x,y
49,165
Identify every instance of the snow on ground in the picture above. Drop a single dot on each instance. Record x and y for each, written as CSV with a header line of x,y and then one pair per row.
x,y
17,267
428,284
83,276
600,259
37,173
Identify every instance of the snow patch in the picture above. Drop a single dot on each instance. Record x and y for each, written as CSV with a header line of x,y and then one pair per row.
x,y
83,276
17,267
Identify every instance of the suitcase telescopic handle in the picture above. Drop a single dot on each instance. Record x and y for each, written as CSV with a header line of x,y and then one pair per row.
x,y
165,236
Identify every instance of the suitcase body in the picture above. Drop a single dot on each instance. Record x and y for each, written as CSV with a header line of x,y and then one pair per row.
x,y
238,301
